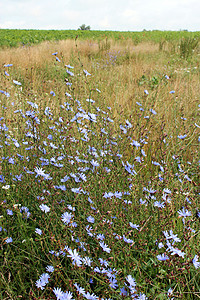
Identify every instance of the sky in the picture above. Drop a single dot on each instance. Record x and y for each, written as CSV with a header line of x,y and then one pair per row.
x,y
119,15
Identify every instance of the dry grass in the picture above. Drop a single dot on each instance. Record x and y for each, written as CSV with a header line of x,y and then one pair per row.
x,y
117,79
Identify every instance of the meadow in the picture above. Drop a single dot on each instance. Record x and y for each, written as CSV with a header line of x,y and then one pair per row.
x,y
99,168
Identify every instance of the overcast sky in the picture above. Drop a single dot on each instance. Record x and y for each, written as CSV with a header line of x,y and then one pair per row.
x,y
123,15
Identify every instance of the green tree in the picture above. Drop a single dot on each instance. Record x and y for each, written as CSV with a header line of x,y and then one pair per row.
x,y
84,27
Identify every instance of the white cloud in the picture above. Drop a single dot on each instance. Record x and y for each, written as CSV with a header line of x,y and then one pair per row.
x,y
101,14
104,23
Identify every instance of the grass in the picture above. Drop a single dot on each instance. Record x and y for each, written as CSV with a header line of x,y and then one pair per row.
x,y
99,171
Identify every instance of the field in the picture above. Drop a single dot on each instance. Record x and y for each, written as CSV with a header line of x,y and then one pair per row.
x,y
99,165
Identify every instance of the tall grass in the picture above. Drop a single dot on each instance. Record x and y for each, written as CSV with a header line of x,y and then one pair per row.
x,y
99,173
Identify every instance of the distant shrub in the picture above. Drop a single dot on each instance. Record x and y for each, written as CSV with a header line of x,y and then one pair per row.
x,y
84,27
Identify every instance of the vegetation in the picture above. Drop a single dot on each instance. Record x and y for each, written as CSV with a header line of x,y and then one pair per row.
x,y
84,27
18,37
99,163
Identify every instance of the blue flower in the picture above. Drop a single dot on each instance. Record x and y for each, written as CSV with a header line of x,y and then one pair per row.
x,y
38,231
181,137
44,208
9,212
195,262
70,73
162,257
50,269
76,258
153,111
17,82
86,73
135,226
66,217
40,284
9,240
105,247
90,219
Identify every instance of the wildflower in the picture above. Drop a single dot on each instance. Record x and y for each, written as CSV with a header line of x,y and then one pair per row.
x,y
66,217
5,93
143,152
79,289
129,241
177,251
40,284
135,143
55,53
195,262
58,292
9,212
38,231
44,208
134,225
182,137
57,59
172,92
100,236
68,66
105,247
92,117
70,73
17,82
65,179
146,92
153,111
167,191
162,257
40,171
6,187
113,283
160,245
87,261
47,111
50,269
94,163
73,254
9,240
174,236
123,292
90,100
159,204
142,297
11,161
67,296
52,93
86,73
90,219
131,280
8,65
170,292
76,190
184,213
44,278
